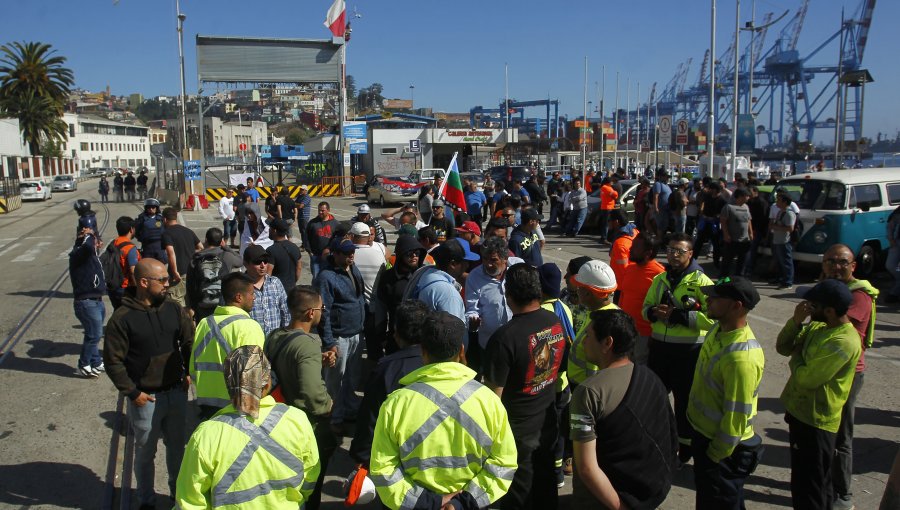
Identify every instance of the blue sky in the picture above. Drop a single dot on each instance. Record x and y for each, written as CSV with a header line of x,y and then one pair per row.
x,y
453,53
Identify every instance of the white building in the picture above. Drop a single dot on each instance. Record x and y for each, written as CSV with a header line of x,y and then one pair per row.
x,y
221,139
95,142
11,141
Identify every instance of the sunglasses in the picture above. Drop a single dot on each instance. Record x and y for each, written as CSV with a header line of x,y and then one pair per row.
x,y
259,262
160,279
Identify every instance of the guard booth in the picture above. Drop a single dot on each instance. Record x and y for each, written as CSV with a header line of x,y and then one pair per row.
x,y
10,197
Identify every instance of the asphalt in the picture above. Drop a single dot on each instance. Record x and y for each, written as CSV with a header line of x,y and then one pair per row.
x,y
66,445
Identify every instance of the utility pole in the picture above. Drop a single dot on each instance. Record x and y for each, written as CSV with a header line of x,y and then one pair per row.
x,y
616,127
734,113
583,132
711,141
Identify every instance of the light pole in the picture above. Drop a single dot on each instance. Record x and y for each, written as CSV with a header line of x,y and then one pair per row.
x,y
734,113
180,28
412,96
711,142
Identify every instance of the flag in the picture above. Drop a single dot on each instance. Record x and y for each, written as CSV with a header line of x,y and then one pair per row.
x,y
336,19
451,189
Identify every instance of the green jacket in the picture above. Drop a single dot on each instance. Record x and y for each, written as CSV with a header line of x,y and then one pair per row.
x,y
823,363
579,368
698,322
296,358
441,433
236,462
228,328
723,395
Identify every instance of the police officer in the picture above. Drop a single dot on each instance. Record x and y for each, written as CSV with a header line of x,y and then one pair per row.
x,y
86,217
148,229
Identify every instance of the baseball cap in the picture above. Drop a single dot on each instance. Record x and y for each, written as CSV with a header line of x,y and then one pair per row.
x,y
471,227
830,292
597,276
551,278
344,246
454,250
530,214
359,229
437,203
684,180
255,252
363,209
304,187
736,288
281,226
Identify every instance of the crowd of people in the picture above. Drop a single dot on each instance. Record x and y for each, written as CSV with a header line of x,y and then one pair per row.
x,y
468,372
125,186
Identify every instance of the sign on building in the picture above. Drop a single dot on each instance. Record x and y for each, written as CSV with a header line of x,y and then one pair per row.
x,y
681,132
355,129
415,146
192,170
665,130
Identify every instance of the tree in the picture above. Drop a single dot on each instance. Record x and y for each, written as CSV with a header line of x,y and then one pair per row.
x,y
350,83
34,88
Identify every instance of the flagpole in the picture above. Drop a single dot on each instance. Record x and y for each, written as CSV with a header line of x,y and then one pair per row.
x,y
616,127
583,131
447,174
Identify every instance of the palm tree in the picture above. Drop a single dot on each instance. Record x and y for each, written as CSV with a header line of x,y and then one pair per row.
x,y
34,88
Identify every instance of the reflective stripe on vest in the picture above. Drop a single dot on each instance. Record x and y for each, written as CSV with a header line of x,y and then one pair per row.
x,y
447,407
215,332
260,437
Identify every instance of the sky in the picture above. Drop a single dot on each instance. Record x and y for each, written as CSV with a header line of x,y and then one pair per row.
x,y
453,53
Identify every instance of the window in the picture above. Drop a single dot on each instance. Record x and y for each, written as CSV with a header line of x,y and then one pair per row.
x,y
814,194
389,150
84,146
866,194
71,130
893,191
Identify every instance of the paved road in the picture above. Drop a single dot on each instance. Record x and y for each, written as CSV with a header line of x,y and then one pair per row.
x,y
62,435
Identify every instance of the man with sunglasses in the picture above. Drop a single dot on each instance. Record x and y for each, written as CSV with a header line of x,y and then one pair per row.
x,y
676,308
443,225
270,304
149,366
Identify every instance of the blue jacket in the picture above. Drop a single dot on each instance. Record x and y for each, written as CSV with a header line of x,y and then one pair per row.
x,y
527,246
85,270
345,306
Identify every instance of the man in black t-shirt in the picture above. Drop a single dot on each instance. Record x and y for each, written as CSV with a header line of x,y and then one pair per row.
x,y
286,258
443,226
180,244
523,360
285,205
708,229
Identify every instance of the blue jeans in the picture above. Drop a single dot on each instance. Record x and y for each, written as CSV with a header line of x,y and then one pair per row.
x,y
229,229
315,264
784,256
91,313
164,418
603,223
576,220
750,262
680,222
343,379
662,221
893,261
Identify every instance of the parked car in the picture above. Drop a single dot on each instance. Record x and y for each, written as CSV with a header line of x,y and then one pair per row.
x,y
383,190
36,189
478,177
625,202
426,175
64,183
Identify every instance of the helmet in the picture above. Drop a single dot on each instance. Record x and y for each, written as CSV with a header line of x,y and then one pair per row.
x,y
151,202
597,276
358,488
81,206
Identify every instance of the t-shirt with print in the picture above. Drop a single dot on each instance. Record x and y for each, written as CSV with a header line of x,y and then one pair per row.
x,y
737,221
443,228
184,241
524,356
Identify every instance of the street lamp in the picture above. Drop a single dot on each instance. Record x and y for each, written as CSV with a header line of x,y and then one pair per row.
x,y
412,96
180,28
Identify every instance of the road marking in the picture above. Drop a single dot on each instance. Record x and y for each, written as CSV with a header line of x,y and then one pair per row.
x,y
63,256
9,248
4,242
32,253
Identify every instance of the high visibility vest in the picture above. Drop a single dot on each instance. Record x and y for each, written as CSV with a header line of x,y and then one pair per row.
x,y
233,461
732,360
579,367
688,286
217,335
443,432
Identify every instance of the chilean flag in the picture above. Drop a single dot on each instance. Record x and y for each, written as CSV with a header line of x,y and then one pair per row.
x,y
451,189
336,19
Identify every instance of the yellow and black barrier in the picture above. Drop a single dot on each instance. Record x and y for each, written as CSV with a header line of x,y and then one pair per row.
x,y
10,204
316,190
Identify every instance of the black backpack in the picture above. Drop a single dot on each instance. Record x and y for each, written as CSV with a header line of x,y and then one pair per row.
x,y
205,278
111,262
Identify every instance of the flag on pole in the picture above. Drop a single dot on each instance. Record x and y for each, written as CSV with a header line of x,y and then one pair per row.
x,y
336,19
451,188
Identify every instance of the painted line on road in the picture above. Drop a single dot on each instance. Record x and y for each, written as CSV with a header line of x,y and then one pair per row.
x,y
13,246
32,253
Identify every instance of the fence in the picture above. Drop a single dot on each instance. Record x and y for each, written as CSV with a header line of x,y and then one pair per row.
x,y
327,187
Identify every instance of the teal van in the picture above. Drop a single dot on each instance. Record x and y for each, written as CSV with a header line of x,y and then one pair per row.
x,y
849,207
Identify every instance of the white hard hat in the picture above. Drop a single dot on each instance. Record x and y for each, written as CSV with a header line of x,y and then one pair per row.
x,y
367,493
596,275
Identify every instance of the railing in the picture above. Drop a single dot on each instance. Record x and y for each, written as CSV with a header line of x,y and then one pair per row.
x,y
9,187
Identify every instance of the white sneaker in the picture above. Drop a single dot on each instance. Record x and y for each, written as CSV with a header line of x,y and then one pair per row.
x,y
99,368
87,372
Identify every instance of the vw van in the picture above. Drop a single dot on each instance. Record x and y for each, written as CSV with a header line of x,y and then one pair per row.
x,y
849,207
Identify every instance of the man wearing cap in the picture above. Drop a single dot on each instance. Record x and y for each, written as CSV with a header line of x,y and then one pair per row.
x,y
287,262
595,284
442,225
838,263
521,365
441,404
676,309
823,356
633,286
303,206
364,215
230,326
370,260
621,235
723,398
319,232
524,241
270,304
439,286
471,232
265,450
343,295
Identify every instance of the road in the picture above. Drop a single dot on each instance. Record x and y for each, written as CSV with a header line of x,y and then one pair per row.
x,y
64,439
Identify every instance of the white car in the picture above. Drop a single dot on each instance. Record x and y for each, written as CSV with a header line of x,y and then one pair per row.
x,y
35,190
64,183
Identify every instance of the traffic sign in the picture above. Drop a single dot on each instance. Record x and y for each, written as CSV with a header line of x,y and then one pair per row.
x,y
415,145
665,130
242,147
192,170
681,132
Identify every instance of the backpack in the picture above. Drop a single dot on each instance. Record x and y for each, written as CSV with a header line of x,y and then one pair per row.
x,y
205,277
112,261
